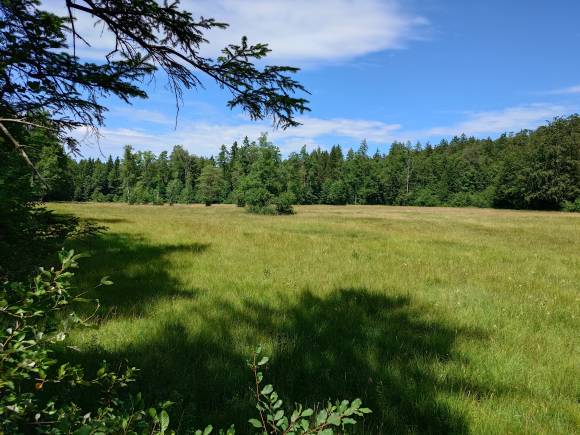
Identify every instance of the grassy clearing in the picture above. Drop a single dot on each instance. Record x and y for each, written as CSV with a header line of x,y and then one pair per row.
x,y
441,320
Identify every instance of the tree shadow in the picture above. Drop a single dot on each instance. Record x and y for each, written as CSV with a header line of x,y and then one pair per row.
x,y
138,269
346,344
105,220
343,344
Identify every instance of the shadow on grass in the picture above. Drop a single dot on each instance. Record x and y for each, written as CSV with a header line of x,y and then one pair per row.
x,y
103,220
138,269
346,344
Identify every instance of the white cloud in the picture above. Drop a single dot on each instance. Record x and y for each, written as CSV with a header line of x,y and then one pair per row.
x,y
375,131
498,121
566,91
296,30
202,137
307,30
205,138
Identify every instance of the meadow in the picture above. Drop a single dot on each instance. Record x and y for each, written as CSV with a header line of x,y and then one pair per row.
x,y
441,320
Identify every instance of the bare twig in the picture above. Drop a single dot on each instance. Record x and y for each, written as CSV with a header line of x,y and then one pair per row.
x,y
22,152
22,121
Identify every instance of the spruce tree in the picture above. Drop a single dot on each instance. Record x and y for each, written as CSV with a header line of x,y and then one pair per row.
x,y
210,185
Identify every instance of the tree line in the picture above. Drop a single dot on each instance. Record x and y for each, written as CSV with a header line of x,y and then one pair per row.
x,y
537,169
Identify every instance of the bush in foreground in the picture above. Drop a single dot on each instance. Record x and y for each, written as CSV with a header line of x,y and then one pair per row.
x,y
37,391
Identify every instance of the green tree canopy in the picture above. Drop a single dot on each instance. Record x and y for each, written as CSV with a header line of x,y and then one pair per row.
x,y
40,72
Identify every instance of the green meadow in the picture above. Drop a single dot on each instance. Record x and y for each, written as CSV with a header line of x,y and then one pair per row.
x,y
441,320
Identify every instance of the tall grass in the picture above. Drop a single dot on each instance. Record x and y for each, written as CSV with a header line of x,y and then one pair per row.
x,y
441,320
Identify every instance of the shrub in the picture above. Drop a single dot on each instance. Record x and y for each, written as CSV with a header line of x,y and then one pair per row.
x,y
98,196
239,198
481,199
265,210
274,420
36,390
459,199
572,206
426,198
258,197
283,203
258,201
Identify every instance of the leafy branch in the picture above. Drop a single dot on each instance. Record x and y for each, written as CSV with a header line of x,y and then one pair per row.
x,y
273,419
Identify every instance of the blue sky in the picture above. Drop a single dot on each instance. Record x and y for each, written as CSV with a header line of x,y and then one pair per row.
x,y
380,70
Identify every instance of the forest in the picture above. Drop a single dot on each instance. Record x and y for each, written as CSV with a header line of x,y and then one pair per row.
x,y
537,169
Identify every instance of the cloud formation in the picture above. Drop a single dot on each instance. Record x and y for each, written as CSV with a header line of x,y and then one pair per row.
x,y
510,119
306,30
298,31
203,137
566,91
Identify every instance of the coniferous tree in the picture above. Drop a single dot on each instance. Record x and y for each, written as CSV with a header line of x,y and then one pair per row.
x,y
531,169
54,168
210,185
129,174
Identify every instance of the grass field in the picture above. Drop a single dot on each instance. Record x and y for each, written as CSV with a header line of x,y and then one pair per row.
x,y
441,320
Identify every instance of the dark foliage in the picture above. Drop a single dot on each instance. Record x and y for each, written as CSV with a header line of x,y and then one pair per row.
x,y
46,90
40,72
529,170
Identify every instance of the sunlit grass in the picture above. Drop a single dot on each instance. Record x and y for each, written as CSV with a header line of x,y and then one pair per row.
x,y
441,320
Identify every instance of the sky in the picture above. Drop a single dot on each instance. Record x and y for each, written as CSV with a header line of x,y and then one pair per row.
x,y
380,70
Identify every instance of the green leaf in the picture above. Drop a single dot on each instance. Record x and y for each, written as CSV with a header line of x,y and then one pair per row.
x,y
255,423
334,419
164,420
263,361
307,412
84,430
321,417
208,430
267,389
283,423
105,281
83,300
